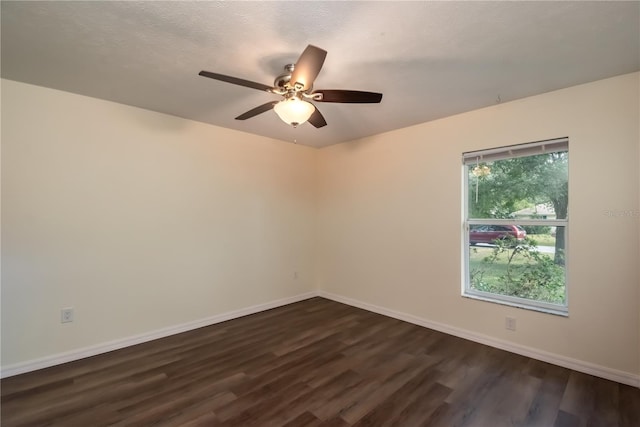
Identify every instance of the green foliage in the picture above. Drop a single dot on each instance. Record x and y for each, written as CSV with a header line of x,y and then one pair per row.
x,y
517,269
513,184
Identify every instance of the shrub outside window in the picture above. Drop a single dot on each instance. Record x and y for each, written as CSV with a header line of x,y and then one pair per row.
x,y
515,225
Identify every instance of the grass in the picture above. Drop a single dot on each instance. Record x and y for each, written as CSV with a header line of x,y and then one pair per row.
x,y
543,239
478,253
492,271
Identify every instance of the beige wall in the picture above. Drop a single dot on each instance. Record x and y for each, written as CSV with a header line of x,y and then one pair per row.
x,y
390,220
140,221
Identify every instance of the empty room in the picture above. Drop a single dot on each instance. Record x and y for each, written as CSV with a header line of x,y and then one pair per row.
x,y
320,213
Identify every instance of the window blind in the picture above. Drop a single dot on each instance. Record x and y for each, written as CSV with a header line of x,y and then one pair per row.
x,y
520,150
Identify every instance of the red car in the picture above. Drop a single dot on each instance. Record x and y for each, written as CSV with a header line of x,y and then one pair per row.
x,y
491,233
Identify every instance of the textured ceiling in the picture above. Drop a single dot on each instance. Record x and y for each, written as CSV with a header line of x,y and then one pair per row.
x,y
429,59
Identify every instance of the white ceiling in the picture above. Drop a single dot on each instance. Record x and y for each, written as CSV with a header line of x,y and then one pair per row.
x,y
429,59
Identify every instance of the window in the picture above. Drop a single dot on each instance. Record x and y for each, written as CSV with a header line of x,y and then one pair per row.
x,y
515,222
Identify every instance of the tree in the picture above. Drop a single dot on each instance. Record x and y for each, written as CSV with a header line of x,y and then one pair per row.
x,y
523,181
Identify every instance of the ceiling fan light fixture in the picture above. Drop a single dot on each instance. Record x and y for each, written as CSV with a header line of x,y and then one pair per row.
x,y
294,111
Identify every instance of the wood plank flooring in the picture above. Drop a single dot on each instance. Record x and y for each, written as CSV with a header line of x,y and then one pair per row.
x,y
311,364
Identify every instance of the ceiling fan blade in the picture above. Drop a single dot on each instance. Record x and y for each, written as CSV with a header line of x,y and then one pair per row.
x,y
258,110
317,119
308,66
235,81
349,96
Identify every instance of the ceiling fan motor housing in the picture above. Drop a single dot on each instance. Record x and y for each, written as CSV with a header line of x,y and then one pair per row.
x,y
284,78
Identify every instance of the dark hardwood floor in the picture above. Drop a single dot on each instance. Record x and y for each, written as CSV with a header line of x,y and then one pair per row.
x,y
314,363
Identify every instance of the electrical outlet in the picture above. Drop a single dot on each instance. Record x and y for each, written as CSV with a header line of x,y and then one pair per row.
x,y
66,315
510,323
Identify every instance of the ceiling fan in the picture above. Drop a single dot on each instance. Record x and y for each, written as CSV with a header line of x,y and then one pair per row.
x,y
296,86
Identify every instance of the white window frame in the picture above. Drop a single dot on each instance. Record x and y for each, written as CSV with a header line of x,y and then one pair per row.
x,y
521,150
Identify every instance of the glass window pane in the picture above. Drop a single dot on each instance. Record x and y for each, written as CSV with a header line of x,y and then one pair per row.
x,y
519,264
533,187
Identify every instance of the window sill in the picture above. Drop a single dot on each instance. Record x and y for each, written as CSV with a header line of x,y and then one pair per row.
x,y
560,311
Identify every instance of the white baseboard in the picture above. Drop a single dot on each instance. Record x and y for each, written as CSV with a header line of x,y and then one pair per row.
x,y
555,359
566,362
70,356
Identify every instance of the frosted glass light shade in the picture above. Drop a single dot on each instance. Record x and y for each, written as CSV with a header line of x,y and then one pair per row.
x,y
294,111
